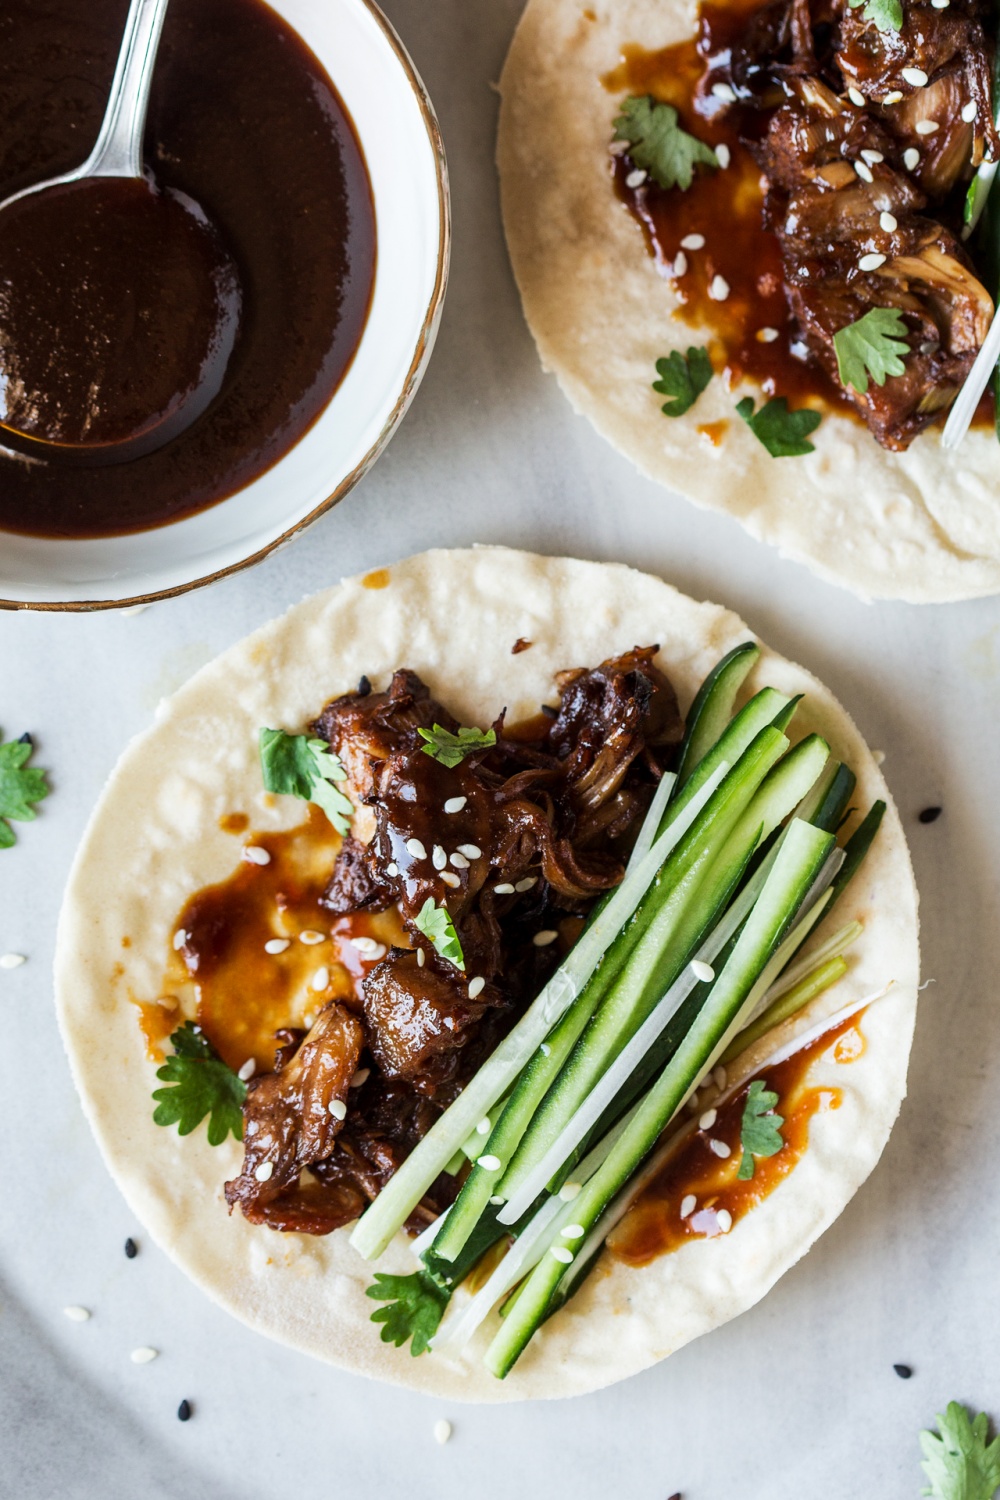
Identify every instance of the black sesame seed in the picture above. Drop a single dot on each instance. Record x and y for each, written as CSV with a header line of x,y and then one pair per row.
x,y
26,740
184,1412
131,1248
364,687
903,1371
549,711
929,815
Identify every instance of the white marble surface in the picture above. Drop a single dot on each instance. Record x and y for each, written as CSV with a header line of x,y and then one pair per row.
x,y
797,1400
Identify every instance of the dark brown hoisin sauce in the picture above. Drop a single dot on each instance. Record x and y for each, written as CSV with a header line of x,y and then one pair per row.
x,y
653,1225
243,994
246,123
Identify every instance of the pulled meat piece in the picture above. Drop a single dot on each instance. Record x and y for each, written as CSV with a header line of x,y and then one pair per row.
x,y
419,1019
287,1120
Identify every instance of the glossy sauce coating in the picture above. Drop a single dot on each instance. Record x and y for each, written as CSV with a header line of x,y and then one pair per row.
x,y
246,123
653,1225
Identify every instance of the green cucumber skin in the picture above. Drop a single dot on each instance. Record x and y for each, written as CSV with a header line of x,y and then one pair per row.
x,y
651,968
855,849
754,717
833,804
795,869
713,706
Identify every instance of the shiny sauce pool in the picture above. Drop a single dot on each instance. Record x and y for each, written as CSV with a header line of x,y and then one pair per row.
x,y
245,123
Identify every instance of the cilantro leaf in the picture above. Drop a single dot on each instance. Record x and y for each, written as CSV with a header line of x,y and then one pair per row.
x,y
760,1132
684,377
435,922
19,787
659,145
414,1305
782,432
451,749
200,1084
874,346
297,766
886,14
959,1463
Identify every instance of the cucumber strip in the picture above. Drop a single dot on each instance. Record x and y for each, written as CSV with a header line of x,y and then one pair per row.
x,y
834,946
712,708
651,822
759,714
857,847
407,1186
823,977
664,949
793,874
826,804
426,1237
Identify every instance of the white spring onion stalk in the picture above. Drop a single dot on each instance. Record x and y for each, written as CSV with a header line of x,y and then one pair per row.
x,y
651,822
979,191
964,406
832,948
426,1237
448,1134
618,1207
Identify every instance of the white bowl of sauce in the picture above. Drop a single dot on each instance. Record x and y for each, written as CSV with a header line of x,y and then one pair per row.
x,y
322,375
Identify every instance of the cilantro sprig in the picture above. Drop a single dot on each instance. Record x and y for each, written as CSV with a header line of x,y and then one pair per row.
x,y
435,923
298,766
683,377
782,432
451,749
887,15
199,1084
659,145
874,345
760,1131
413,1310
20,786
958,1460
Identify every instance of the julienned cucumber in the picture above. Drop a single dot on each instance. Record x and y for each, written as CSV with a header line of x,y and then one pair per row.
x,y
713,706
766,709
797,865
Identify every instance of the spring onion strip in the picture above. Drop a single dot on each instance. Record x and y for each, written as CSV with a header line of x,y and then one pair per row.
x,y
407,1186
426,1237
651,822
792,1001
979,190
964,406
832,948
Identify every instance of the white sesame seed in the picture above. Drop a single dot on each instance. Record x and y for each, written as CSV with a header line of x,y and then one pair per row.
x,y
618,148
416,848
450,879
489,1163
893,98
562,1255
856,97
438,857
865,173
77,1314
724,92
506,889
545,1049
872,157
719,289
483,1128
693,242
719,1076
497,1199
248,1069
635,178
143,1356
12,960
442,1432
723,156
927,127
256,855
708,1119
688,1205
459,861
573,1232
364,944
277,945
471,851
720,1148
309,1020
911,158
929,346
421,958
544,938
320,979
252,1127
969,112
455,804
265,1171
392,868
569,1191
871,262
702,971
180,938
940,4
878,756
888,222
338,1109
360,1077
916,77
311,937
527,884
725,1219
680,264
766,335
476,986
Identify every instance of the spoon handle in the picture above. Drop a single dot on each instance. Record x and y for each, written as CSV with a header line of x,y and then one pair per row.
x,y
118,151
